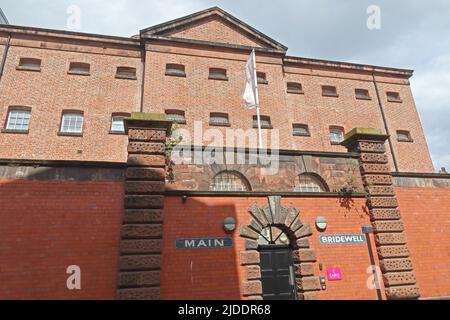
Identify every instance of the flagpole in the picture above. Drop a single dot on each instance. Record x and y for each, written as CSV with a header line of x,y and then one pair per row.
x,y
258,113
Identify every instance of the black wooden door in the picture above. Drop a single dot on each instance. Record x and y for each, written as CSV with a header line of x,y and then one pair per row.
x,y
277,273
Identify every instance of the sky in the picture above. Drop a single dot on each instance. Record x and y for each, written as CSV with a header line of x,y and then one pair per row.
x,y
412,34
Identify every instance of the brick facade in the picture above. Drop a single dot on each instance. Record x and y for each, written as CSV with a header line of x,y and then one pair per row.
x,y
118,217
210,39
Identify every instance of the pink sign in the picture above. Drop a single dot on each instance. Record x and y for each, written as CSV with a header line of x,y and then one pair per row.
x,y
334,274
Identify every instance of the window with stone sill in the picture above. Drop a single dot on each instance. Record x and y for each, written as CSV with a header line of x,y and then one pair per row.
x,y
176,70
362,94
79,68
404,136
329,91
301,130
218,74
229,181
265,122
30,64
393,96
336,135
18,120
294,88
177,116
261,77
126,73
219,119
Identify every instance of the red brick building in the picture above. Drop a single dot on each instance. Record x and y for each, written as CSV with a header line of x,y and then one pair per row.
x,y
78,187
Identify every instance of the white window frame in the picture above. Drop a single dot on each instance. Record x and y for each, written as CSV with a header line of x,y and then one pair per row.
x,y
114,119
68,115
24,120
334,132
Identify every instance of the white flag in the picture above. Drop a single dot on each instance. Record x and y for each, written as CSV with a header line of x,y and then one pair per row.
x,y
250,99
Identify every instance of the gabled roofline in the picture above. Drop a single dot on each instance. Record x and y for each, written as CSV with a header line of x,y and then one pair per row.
x,y
174,24
349,65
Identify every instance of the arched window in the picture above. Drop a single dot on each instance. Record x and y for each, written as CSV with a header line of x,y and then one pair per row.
x,y
229,181
309,182
273,236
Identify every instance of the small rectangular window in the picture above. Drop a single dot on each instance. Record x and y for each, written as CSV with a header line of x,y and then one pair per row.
x,y
30,64
261,78
336,135
126,73
294,87
72,123
329,91
301,130
177,116
117,124
265,122
393,96
79,68
362,94
218,74
18,120
404,136
219,119
176,70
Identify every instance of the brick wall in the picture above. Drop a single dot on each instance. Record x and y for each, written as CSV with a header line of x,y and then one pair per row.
x,y
217,274
47,226
53,90
425,212
99,95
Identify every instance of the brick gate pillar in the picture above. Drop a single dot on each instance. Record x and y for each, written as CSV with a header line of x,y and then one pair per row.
x,y
390,239
142,232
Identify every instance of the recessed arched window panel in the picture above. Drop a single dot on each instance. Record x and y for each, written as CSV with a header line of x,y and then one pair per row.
x,y
308,182
273,236
229,181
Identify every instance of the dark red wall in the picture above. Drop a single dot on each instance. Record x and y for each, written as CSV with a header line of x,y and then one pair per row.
x,y
47,226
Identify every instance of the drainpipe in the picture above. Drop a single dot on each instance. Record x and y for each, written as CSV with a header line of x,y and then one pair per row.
x,y
5,54
144,54
383,115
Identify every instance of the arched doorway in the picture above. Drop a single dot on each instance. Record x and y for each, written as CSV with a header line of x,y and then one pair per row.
x,y
277,265
278,259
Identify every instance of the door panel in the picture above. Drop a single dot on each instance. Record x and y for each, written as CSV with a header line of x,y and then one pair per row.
x,y
276,274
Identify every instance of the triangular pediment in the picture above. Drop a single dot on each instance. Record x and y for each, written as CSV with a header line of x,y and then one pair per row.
x,y
213,26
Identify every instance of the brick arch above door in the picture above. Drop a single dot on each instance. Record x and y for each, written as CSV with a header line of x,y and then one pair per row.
x,y
288,220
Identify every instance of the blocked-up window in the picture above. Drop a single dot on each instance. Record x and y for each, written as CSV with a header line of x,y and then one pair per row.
x,y
301,130
265,122
393,96
177,70
261,77
294,87
329,91
177,116
29,64
219,119
362,94
218,74
126,73
80,68
404,136
310,183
